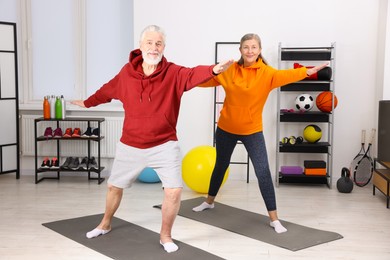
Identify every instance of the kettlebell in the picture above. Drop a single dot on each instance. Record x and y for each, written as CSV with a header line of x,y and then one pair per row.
x,y
345,184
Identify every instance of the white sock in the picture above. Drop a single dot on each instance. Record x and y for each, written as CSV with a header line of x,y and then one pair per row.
x,y
278,226
203,206
97,232
169,246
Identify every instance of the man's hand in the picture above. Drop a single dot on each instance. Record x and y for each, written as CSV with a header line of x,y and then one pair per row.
x,y
79,103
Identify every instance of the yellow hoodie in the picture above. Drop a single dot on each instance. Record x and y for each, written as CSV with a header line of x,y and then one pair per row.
x,y
246,91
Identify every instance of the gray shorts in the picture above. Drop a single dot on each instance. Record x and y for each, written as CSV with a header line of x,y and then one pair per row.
x,y
129,162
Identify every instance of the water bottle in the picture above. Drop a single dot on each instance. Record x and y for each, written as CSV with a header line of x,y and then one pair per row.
x,y
63,106
46,108
52,102
58,108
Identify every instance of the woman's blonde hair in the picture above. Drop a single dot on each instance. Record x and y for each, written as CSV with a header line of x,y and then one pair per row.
x,y
251,36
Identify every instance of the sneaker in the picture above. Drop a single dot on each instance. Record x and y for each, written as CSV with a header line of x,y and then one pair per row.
x,y
67,162
74,165
68,133
55,164
95,132
92,164
84,163
48,132
76,132
87,133
46,163
57,133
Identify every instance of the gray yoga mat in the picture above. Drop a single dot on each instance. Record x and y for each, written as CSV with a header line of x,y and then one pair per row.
x,y
125,241
256,226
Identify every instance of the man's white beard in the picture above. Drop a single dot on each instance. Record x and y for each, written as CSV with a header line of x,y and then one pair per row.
x,y
149,61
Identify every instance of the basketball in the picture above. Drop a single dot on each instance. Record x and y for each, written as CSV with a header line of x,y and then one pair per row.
x,y
324,101
312,133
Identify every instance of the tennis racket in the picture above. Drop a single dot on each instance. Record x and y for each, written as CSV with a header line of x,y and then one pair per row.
x,y
361,153
365,166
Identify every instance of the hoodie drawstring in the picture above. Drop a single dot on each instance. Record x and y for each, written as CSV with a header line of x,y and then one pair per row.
x,y
150,88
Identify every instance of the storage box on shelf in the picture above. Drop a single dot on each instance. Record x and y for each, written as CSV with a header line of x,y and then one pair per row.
x,y
288,119
381,179
93,163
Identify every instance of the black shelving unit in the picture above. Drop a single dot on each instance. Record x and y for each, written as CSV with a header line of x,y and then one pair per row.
x,y
218,103
306,55
58,141
9,143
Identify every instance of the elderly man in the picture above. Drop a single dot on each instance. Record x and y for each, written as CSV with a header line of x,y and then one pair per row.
x,y
150,89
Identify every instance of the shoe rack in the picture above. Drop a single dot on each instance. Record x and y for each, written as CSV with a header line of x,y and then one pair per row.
x,y
42,173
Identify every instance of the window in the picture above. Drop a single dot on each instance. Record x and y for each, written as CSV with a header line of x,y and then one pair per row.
x,y
53,48
74,46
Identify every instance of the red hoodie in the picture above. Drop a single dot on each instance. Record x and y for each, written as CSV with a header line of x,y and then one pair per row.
x,y
151,103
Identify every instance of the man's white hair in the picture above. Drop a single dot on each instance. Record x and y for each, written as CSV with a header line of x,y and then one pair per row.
x,y
152,28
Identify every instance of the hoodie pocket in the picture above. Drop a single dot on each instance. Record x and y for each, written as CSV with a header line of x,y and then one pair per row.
x,y
149,128
236,115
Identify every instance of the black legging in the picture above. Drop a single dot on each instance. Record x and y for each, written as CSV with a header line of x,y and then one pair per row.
x,y
255,146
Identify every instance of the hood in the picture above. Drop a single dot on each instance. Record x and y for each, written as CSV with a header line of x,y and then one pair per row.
x,y
135,69
242,74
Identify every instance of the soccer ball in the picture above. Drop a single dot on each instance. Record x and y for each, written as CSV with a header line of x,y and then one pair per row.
x,y
304,102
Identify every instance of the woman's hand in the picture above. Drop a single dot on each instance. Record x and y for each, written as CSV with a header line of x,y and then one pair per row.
x,y
222,66
315,69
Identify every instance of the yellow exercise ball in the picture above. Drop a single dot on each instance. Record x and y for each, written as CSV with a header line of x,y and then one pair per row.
x,y
197,167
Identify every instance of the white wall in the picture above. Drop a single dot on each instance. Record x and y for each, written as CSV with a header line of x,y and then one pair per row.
x,y
193,28
385,94
358,28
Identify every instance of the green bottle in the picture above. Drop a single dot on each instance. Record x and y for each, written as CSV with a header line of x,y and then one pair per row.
x,y
58,107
